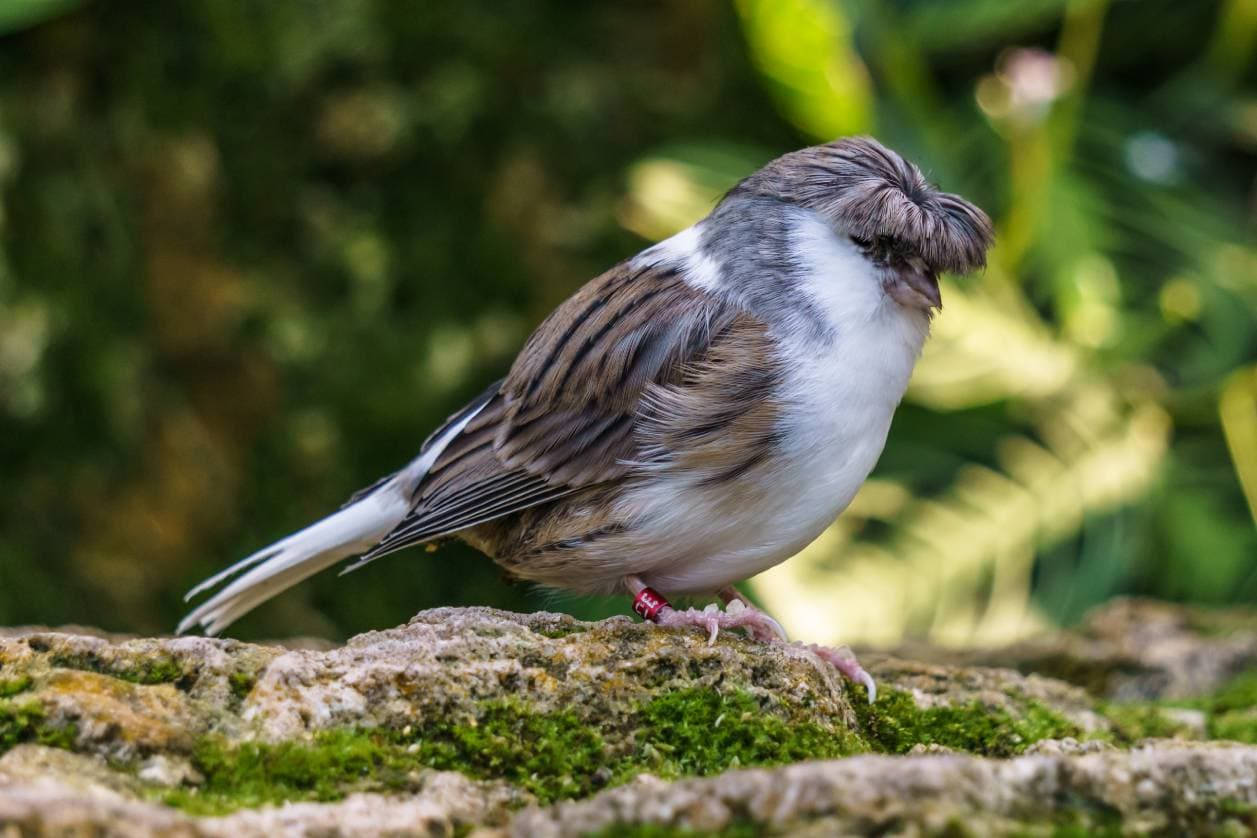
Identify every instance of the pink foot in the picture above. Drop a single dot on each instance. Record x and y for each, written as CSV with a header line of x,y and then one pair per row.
x,y
843,660
731,595
757,624
739,613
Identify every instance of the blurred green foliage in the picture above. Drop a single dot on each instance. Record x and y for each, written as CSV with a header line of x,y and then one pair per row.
x,y
251,253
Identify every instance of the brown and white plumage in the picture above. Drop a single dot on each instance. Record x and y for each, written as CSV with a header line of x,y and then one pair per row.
x,y
569,415
690,417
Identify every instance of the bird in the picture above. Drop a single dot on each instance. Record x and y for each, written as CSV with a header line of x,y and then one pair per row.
x,y
693,416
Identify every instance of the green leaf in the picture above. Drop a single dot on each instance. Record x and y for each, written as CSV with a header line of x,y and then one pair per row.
x,y
804,48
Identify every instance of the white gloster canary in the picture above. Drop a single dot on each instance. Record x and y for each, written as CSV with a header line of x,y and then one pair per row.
x,y
693,416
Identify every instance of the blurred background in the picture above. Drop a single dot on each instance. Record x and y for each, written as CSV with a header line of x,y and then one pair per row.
x,y
251,253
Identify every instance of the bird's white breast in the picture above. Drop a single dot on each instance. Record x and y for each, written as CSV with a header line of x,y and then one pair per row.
x,y
838,394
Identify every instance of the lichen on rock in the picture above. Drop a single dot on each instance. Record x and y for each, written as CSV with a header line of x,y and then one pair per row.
x,y
477,718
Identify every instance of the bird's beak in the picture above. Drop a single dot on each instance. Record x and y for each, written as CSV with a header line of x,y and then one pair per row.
x,y
915,286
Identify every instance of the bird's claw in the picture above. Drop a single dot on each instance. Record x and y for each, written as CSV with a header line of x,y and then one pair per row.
x,y
845,662
870,686
758,625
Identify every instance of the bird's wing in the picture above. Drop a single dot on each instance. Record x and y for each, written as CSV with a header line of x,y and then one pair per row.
x,y
467,410
600,369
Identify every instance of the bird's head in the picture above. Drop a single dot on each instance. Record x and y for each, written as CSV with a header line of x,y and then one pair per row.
x,y
909,230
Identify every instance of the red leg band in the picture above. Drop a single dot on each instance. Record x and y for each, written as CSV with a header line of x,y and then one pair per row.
x,y
648,603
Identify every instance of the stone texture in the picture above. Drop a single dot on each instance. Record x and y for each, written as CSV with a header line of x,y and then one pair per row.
x,y
444,662
447,660
77,773
1163,787
996,688
129,715
447,803
1131,649
1173,787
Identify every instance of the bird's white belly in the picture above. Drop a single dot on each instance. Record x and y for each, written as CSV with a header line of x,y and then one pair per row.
x,y
703,539
837,400
699,539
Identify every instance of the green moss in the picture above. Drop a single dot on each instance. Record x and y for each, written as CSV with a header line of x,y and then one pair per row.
x,y
12,686
27,723
1087,822
1132,722
1239,694
1237,725
693,732
1230,713
553,755
241,684
894,724
558,631
255,774
703,732
1232,710
559,755
160,669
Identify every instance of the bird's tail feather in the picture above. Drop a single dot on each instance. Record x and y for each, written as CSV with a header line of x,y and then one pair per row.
x,y
354,529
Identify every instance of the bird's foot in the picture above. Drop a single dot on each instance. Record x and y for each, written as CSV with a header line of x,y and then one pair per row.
x,y
841,659
731,595
739,613
844,660
758,625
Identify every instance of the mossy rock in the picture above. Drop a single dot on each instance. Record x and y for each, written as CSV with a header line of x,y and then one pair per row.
x,y
1134,649
488,718
556,708
1164,789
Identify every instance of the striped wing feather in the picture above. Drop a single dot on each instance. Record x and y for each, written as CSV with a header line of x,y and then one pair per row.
x,y
565,416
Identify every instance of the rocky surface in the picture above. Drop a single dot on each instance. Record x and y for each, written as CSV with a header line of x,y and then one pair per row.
x,y
1143,790
481,721
1133,650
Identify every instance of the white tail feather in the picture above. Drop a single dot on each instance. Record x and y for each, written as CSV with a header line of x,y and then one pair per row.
x,y
355,529
352,530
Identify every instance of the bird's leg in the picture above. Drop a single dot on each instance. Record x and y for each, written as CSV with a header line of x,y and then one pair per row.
x,y
651,606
